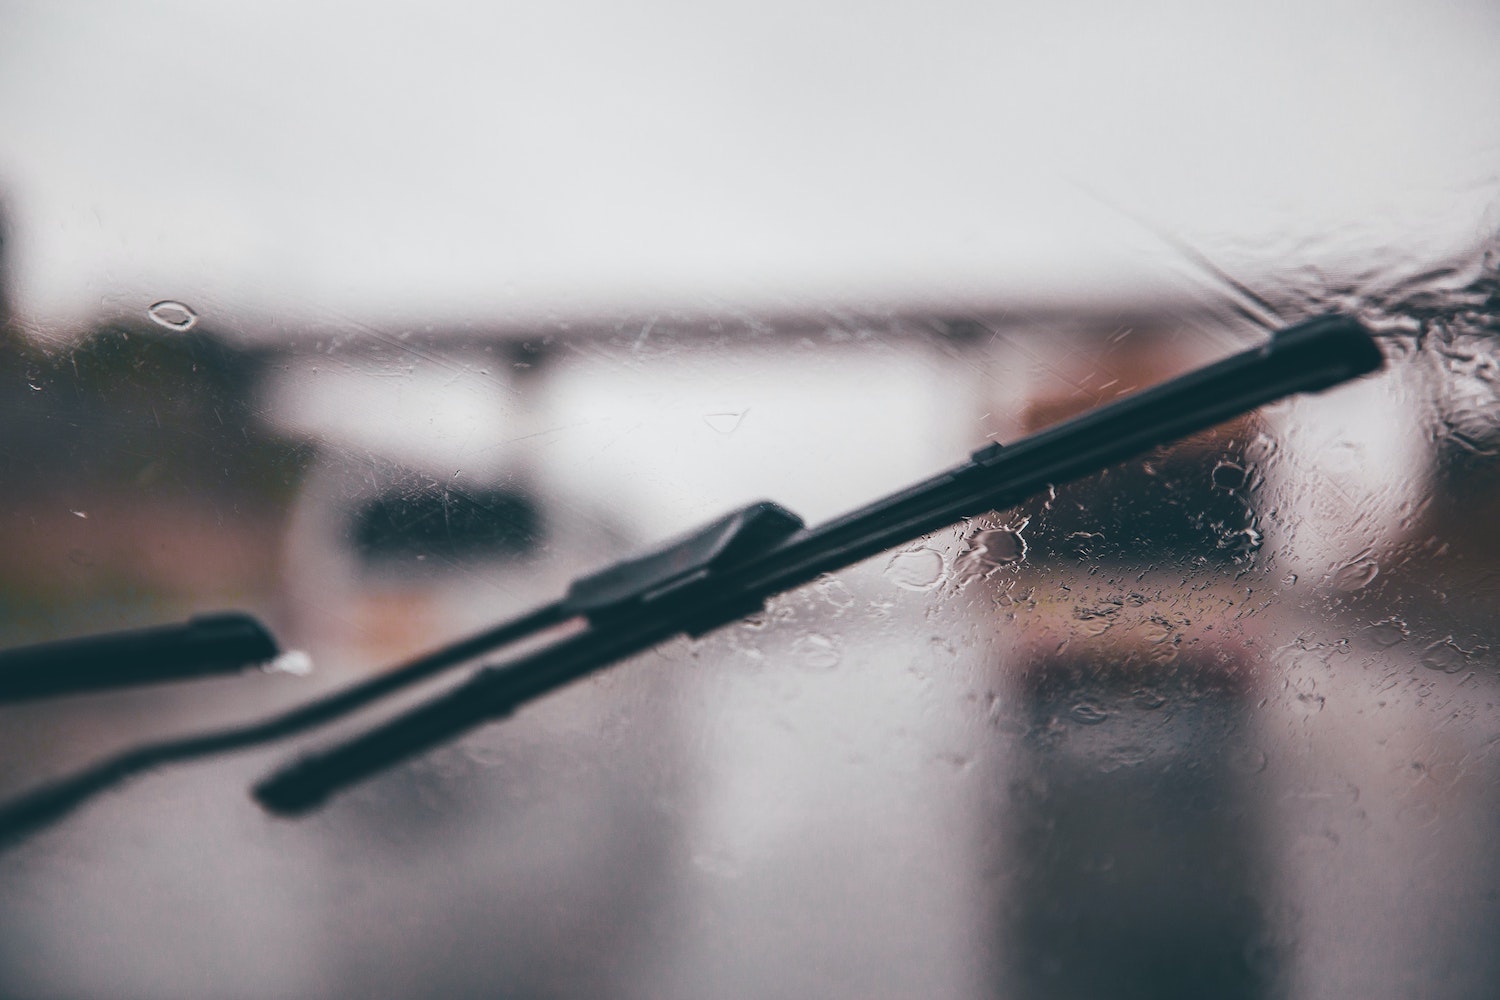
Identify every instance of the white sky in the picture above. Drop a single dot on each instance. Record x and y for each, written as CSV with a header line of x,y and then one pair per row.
x,y
401,162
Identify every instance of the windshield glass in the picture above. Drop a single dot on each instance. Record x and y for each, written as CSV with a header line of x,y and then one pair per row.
x,y
383,329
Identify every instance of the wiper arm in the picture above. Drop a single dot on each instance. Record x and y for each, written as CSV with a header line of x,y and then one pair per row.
x,y
203,646
723,572
51,801
728,569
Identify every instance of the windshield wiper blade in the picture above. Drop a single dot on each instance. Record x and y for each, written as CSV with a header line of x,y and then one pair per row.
x,y
203,646
728,569
721,573
37,807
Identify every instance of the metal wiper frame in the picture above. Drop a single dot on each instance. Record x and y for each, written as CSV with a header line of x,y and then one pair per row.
x,y
728,569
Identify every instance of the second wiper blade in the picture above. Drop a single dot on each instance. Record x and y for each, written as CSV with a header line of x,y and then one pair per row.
x,y
728,569
201,647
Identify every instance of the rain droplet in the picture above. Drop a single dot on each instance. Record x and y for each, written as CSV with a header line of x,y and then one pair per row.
x,y
1243,542
1388,632
1445,655
919,569
1262,448
1309,702
817,652
1343,457
1088,713
725,423
832,590
173,315
1304,690
1228,476
1083,542
293,661
1148,699
997,547
1357,574
1155,630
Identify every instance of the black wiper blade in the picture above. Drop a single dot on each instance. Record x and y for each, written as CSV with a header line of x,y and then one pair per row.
x,y
718,574
728,569
203,646
49,802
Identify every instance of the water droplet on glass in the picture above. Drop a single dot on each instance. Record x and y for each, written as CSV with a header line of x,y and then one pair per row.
x,y
293,661
919,569
1243,542
1304,690
832,590
1445,655
817,652
1357,574
1388,632
1228,476
1155,631
173,315
1343,457
1083,542
1088,713
1148,699
996,547
1263,447
725,423
1309,702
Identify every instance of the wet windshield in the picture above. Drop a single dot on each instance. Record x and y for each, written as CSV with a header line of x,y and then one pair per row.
x,y
385,331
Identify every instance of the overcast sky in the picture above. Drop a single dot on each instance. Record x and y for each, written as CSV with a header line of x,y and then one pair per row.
x,y
398,162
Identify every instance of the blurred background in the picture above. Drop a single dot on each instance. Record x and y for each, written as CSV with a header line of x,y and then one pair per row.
x,y
384,324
